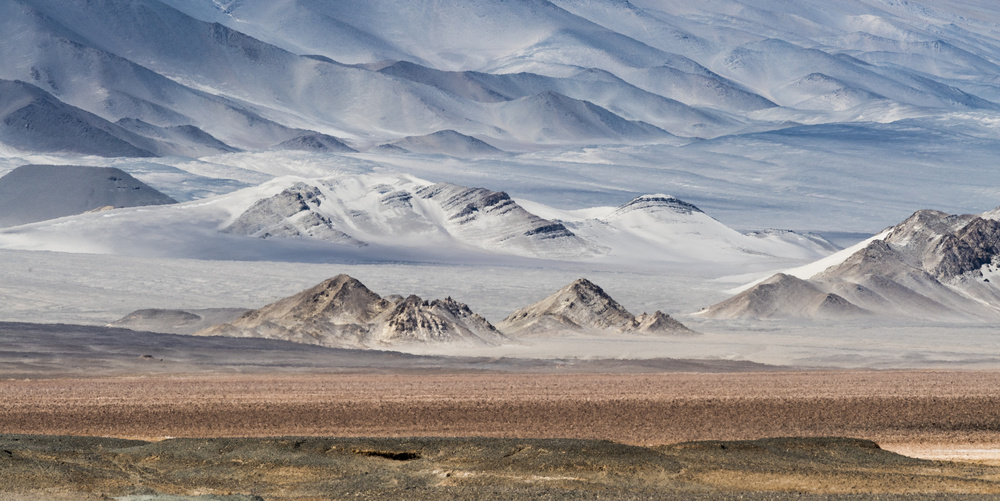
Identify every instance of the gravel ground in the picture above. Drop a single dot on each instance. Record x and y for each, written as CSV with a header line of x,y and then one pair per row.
x,y
894,408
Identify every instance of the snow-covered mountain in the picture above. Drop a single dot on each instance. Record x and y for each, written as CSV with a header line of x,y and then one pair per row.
x,y
402,217
931,266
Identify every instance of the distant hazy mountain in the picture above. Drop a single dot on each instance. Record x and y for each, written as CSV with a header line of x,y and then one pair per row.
x,y
447,142
526,73
931,266
32,193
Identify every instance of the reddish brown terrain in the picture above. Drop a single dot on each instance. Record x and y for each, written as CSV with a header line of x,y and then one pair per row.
x,y
895,408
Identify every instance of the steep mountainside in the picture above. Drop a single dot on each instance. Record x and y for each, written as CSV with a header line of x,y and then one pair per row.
x,y
584,307
342,312
932,265
35,121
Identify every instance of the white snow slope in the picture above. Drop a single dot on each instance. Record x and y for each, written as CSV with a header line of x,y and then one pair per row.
x,y
378,217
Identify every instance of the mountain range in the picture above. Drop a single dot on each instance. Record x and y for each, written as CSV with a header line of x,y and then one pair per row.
x,y
342,313
392,217
252,75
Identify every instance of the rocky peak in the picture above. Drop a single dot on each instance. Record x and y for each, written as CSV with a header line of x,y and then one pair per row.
x,y
579,306
341,299
924,226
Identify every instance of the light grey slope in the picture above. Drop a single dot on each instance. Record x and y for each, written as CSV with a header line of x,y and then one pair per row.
x,y
177,321
447,142
551,117
314,142
33,120
233,65
38,192
583,307
342,312
181,140
761,65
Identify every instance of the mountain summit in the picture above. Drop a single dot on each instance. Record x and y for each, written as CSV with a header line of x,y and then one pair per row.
x,y
341,312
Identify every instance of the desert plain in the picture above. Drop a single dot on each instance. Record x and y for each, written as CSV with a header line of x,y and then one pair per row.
x,y
586,431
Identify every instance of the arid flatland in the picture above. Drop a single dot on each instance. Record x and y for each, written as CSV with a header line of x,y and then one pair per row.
x,y
892,407
559,436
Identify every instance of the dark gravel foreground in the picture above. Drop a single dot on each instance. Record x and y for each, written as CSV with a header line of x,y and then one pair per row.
x,y
240,469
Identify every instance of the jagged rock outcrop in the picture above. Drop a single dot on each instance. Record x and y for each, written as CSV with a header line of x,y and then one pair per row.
x,y
933,265
447,142
491,217
582,306
342,312
441,320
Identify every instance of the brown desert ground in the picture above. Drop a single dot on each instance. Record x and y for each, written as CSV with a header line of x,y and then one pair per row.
x,y
545,435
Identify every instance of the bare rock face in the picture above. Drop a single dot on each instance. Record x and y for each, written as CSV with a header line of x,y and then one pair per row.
x,y
342,312
933,265
968,249
582,306
492,217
